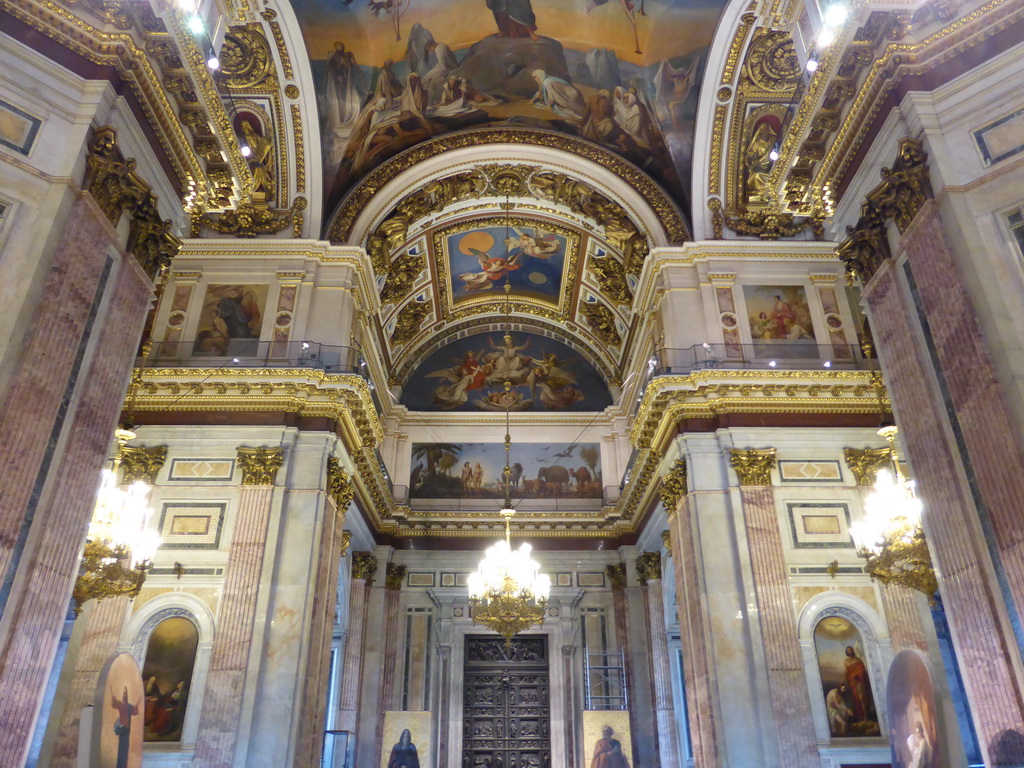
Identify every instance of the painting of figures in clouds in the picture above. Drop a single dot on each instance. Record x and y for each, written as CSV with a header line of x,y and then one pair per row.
x,y
780,321
389,75
539,470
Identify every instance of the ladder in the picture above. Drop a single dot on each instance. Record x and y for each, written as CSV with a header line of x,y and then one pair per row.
x,y
604,680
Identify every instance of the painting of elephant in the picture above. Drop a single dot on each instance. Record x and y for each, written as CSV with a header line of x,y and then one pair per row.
x,y
554,479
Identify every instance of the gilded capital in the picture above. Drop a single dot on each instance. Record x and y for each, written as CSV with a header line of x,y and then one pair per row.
x,y
141,463
260,465
666,541
865,463
753,466
339,485
364,566
673,486
616,575
394,576
346,541
648,566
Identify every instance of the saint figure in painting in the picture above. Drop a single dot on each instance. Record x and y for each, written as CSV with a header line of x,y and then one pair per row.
x,y
920,748
123,726
343,93
608,751
403,754
515,18
857,681
838,712
562,98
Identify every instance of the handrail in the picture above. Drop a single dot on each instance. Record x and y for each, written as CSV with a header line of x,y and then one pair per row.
x,y
256,353
784,355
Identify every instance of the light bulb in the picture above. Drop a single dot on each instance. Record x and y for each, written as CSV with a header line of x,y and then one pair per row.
x,y
826,37
213,63
773,155
195,25
246,151
835,15
812,65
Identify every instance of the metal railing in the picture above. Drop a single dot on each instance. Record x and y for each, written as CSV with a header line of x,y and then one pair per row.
x,y
781,355
254,353
339,749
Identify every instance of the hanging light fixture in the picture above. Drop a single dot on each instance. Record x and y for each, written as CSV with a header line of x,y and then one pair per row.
x,y
890,537
508,593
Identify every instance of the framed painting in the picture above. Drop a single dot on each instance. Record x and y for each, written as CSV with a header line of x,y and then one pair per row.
x,y
167,675
118,715
913,715
846,686
406,739
231,320
780,321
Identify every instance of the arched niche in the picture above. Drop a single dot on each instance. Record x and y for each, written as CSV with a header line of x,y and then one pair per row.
x,y
146,629
875,653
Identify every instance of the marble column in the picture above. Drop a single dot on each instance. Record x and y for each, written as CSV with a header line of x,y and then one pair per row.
x,y
101,622
648,568
902,605
773,598
965,557
694,621
316,680
364,566
229,660
387,696
58,417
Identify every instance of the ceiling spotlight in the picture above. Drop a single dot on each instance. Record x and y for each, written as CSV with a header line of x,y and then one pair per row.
x,y
828,363
774,154
835,15
771,363
812,65
213,62
195,25
305,345
235,360
826,37
246,151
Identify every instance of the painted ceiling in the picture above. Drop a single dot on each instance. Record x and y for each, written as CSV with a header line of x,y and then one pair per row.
x,y
392,73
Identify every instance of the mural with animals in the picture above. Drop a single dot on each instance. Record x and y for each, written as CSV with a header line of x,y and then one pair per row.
x,y
474,470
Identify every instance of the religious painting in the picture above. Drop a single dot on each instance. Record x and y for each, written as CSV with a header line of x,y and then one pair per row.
x,y
780,321
18,129
476,470
231,320
470,374
406,740
849,702
167,672
118,715
623,75
480,260
606,739
913,717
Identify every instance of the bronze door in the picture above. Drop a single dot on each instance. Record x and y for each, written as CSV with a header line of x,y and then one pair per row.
x,y
506,710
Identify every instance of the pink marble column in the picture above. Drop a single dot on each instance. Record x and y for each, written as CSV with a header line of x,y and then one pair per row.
x,y
386,696
47,566
974,602
661,671
102,621
229,660
786,679
698,674
352,671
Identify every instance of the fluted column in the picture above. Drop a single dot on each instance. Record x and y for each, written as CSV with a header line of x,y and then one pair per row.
x,y
316,679
786,679
58,418
387,698
902,605
364,566
225,683
694,622
648,568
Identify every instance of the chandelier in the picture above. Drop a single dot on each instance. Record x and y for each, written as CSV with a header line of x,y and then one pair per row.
x,y
119,546
508,593
890,537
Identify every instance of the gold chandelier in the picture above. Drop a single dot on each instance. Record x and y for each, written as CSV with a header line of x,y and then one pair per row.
x,y
890,537
119,546
508,593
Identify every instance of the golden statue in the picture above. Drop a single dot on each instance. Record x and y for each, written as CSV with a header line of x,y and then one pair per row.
x,y
758,162
261,148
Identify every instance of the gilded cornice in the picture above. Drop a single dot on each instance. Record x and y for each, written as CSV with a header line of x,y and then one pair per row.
x,y
753,466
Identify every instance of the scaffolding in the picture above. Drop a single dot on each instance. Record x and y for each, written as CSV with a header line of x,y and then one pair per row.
x,y
604,680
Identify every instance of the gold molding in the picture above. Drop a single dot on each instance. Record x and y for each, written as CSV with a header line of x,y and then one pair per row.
x,y
753,466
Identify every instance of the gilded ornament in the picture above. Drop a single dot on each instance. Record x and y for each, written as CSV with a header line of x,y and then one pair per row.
x,y
903,192
300,149
616,575
141,463
104,572
648,567
768,224
771,63
339,485
666,542
865,463
346,542
394,576
753,467
364,566
602,322
715,206
410,321
246,61
674,486
259,465
291,91
611,276
251,219
724,94
402,276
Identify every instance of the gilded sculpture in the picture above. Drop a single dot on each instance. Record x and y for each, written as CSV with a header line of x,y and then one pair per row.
x,y
673,486
260,465
648,567
753,466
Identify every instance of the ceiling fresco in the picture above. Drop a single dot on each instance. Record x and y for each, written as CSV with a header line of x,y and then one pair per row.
x,y
393,73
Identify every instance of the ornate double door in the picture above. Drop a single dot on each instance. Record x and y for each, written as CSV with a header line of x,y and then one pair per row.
x,y
506,704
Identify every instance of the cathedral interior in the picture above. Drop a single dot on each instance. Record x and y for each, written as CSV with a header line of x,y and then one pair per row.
x,y
718,305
